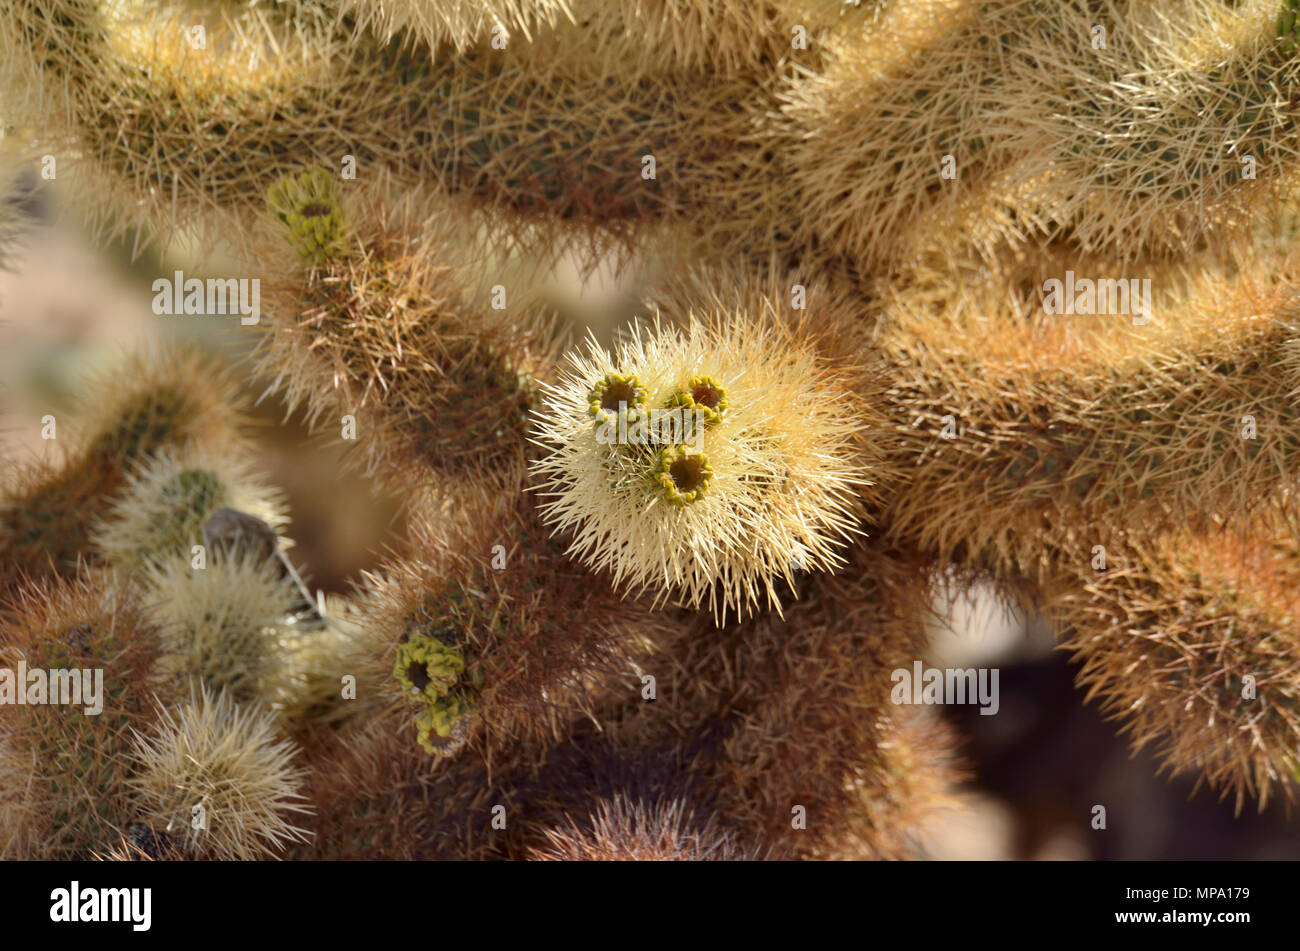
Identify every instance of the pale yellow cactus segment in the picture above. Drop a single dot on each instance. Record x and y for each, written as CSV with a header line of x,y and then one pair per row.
x,y
685,506
220,779
160,513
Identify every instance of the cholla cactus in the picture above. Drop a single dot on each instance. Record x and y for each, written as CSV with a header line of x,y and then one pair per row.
x,y
1209,626
222,624
947,286
49,511
705,462
217,778
620,830
63,779
161,512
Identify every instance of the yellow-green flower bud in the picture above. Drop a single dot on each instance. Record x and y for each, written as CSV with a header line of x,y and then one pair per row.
x,y
682,477
427,669
307,204
616,395
705,395
439,719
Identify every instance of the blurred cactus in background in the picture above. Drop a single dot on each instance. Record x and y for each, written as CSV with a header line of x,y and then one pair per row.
x,y
996,290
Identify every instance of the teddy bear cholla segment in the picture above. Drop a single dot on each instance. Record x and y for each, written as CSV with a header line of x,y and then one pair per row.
x,y
704,463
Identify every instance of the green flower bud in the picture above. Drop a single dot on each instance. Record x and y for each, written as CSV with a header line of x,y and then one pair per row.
x,y
705,395
307,204
427,669
439,719
682,477
617,395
